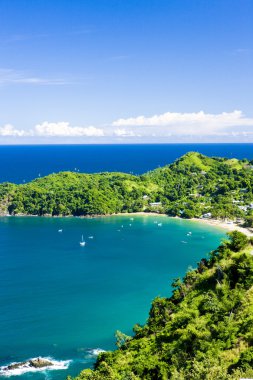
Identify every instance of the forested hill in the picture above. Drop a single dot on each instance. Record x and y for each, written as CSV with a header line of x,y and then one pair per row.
x,y
191,186
203,331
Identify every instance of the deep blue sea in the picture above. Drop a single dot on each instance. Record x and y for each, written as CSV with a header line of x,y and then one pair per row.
x,y
64,301
21,163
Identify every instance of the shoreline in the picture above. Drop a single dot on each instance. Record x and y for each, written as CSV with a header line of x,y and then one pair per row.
x,y
229,226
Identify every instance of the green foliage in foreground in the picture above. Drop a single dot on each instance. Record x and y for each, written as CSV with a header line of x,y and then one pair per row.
x,y
203,331
190,187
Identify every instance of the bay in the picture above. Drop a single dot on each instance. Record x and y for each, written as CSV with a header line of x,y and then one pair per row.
x,y
64,301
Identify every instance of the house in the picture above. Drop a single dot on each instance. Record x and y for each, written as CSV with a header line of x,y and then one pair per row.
x,y
207,215
243,208
155,204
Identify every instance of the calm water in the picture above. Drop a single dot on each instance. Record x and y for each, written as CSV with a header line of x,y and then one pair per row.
x,y
62,301
22,163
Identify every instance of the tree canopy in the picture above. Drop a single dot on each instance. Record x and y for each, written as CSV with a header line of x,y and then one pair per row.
x,y
192,186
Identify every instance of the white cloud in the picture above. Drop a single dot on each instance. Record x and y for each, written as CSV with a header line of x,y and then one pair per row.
x,y
9,130
198,123
64,129
123,133
199,126
61,129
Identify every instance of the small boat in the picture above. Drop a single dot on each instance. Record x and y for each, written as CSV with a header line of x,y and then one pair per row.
x,y
131,218
159,224
60,230
90,237
82,242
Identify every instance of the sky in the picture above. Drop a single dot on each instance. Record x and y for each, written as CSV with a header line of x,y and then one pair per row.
x,y
126,71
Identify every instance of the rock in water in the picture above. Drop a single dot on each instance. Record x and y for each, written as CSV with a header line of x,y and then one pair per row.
x,y
15,366
39,363
34,363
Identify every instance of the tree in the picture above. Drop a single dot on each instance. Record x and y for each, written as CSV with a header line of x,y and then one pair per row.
x,y
238,240
121,338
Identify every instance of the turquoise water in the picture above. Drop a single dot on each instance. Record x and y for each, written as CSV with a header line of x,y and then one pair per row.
x,y
62,301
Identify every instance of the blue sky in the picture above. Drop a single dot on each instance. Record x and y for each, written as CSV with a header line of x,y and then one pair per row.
x,y
100,70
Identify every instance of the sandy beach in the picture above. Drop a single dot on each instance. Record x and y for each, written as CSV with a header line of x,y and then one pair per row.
x,y
229,226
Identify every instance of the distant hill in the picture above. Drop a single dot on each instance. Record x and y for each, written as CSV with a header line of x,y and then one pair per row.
x,y
192,186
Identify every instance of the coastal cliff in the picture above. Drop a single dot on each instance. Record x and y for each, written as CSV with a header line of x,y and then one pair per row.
x,y
203,331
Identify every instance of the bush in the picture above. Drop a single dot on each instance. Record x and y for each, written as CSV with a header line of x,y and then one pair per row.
x,y
238,241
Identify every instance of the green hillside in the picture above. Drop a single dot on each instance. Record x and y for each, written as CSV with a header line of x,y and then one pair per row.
x,y
203,331
192,186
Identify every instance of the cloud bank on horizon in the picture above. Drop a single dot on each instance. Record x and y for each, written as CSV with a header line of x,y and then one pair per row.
x,y
166,126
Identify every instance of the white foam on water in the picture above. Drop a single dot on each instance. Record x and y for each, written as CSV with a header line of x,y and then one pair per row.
x,y
95,351
24,368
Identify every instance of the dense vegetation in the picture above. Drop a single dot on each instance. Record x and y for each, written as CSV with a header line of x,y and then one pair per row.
x,y
203,331
190,187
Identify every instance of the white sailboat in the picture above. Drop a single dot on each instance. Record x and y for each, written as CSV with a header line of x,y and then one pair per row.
x,y
82,242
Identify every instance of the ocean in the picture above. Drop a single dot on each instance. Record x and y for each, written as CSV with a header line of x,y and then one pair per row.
x,y
22,163
63,301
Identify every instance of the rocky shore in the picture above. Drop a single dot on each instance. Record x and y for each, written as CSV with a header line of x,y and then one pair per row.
x,y
34,363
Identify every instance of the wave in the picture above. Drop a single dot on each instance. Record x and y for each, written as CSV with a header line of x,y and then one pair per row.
x,y
90,354
16,369
95,351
